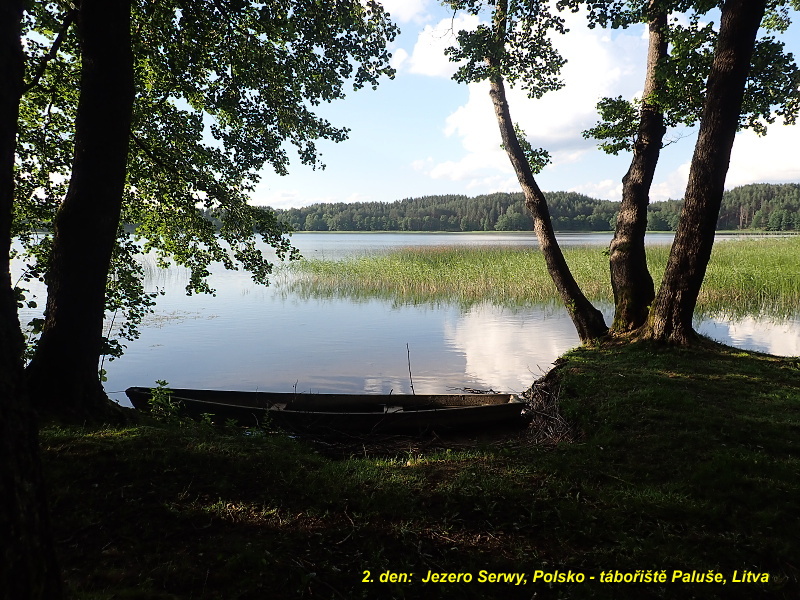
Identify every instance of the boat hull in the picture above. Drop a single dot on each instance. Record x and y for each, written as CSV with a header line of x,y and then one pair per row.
x,y
350,413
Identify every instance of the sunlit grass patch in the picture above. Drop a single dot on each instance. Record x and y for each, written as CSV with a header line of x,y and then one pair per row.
x,y
745,277
467,276
754,277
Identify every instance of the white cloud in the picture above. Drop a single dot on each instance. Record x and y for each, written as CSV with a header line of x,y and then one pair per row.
x,y
494,183
474,123
278,198
470,166
292,198
608,189
407,11
428,57
481,172
673,186
566,157
422,165
769,159
358,197
399,57
597,67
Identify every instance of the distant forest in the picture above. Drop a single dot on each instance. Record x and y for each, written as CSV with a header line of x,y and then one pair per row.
x,y
759,206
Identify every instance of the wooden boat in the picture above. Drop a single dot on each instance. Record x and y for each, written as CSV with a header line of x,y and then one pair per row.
x,y
351,413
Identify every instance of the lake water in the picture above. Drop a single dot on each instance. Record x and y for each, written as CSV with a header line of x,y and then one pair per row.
x,y
249,337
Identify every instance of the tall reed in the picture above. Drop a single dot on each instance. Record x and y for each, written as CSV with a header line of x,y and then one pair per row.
x,y
755,277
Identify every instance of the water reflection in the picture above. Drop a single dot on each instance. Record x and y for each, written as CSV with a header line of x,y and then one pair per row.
x,y
781,338
253,338
508,349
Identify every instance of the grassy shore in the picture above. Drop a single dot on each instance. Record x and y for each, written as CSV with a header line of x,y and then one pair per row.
x,y
680,460
756,277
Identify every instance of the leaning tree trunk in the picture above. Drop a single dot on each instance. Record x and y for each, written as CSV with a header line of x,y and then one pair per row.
x,y
28,566
670,318
63,375
630,278
587,319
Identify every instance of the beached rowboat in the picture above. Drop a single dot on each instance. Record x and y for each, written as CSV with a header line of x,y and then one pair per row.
x,y
345,412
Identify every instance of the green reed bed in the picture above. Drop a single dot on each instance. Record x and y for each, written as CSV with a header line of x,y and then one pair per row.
x,y
501,275
758,277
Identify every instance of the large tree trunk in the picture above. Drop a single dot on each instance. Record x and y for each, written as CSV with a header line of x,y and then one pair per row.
x,y
28,568
587,319
63,375
630,279
671,315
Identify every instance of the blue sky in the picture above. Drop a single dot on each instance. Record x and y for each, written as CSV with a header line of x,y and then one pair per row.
x,y
423,134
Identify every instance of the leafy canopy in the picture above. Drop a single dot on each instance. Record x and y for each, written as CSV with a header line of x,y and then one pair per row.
x,y
515,47
773,85
224,88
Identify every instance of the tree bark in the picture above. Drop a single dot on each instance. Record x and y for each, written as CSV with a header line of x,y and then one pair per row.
x,y
28,568
670,318
630,278
63,375
587,319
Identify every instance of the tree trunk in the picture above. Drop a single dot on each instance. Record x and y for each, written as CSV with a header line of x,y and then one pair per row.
x,y
63,375
587,319
28,568
630,279
670,318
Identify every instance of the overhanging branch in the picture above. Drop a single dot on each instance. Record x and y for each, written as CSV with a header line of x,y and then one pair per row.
x,y
69,18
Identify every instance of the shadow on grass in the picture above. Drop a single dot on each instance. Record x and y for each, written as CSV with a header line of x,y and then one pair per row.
x,y
688,461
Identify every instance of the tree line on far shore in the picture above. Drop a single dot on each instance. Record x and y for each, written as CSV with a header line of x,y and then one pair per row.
x,y
760,206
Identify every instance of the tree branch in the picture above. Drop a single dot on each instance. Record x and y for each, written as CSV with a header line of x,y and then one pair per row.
x,y
69,18
213,189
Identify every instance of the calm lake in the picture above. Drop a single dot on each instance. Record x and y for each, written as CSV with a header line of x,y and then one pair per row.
x,y
249,337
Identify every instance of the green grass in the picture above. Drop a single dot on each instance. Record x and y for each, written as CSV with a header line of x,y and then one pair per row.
x,y
685,459
754,277
748,277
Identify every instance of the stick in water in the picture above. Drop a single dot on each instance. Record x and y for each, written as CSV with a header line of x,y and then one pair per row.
x,y
408,351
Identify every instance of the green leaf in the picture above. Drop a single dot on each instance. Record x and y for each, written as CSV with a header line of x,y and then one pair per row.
x,y
224,89
618,127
